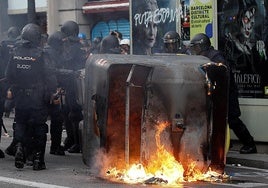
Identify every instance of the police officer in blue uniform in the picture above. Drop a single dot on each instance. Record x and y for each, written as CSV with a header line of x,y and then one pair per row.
x,y
32,84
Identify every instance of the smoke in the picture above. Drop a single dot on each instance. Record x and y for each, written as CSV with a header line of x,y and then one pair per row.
x,y
156,114
194,139
100,163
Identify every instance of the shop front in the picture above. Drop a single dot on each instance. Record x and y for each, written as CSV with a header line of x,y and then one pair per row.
x,y
107,16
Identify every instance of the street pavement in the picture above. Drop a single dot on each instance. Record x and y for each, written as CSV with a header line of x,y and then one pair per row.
x,y
258,160
69,171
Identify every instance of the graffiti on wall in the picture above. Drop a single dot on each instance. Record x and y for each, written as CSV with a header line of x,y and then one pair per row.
x,y
162,15
151,19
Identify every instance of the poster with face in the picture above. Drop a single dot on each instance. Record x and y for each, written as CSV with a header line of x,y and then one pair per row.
x,y
151,19
243,39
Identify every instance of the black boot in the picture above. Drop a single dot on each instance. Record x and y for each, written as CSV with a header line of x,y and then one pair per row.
x,y
244,136
2,155
38,163
68,142
11,149
19,156
57,150
248,149
75,149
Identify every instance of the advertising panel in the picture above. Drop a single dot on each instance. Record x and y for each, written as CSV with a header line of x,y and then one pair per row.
x,y
201,16
243,37
151,19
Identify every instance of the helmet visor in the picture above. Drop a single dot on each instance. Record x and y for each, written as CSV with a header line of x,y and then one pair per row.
x,y
171,47
194,49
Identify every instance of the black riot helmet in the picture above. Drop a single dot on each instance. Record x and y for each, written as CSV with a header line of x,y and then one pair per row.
x,y
199,43
55,40
110,45
172,42
70,28
32,33
13,32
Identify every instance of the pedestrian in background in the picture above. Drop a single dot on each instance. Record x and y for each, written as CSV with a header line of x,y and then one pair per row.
x,y
125,46
85,43
118,35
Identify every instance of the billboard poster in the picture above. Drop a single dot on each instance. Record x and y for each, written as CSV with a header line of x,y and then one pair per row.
x,y
196,17
242,31
150,20
185,20
201,16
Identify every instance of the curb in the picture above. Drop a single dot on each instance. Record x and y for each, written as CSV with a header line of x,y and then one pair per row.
x,y
251,160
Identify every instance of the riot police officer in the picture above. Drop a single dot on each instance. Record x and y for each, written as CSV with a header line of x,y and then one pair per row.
x,y
173,44
74,60
110,45
54,51
95,47
201,45
6,48
32,83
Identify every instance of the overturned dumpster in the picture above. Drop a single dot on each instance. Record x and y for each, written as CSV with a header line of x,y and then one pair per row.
x,y
128,99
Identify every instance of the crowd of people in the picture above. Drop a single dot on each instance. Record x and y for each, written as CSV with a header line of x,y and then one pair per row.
x,y
54,62
39,73
54,65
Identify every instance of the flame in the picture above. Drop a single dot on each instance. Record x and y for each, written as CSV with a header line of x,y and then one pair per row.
x,y
163,168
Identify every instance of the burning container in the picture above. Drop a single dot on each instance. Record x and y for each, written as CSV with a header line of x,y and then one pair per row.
x,y
127,97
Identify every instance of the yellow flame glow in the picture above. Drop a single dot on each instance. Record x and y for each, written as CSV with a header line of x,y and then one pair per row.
x,y
163,168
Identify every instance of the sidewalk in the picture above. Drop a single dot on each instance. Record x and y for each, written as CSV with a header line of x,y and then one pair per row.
x,y
258,160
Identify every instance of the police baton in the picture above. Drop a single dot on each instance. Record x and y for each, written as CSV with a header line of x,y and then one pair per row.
x,y
3,79
5,130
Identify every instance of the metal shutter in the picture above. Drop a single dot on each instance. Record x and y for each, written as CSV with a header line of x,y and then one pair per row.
x,y
102,29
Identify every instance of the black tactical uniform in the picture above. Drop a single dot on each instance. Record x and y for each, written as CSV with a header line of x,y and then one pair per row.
x,y
54,51
32,84
200,45
74,60
95,47
173,44
6,48
110,45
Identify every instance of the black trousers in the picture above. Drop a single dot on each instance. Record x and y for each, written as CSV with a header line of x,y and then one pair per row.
x,y
56,118
31,129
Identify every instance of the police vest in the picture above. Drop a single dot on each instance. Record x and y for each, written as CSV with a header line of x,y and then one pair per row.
x,y
29,66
